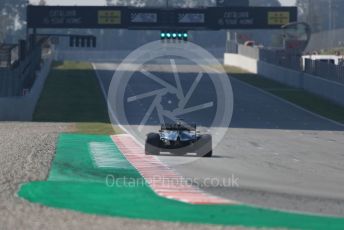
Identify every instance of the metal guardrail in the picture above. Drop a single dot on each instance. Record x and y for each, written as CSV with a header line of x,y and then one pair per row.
x,y
231,47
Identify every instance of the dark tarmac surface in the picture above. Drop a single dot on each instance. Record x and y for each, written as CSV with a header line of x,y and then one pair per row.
x,y
283,157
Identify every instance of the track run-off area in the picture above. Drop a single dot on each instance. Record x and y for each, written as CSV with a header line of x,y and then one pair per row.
x,y
76,182
288,161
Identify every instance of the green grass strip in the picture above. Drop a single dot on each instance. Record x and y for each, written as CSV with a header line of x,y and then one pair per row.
x,y
76,183
309,101
72,94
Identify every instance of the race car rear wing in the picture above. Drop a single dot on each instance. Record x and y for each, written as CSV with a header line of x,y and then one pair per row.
x,y
179,127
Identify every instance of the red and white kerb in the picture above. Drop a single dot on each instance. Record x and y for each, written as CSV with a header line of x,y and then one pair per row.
x,y
163,180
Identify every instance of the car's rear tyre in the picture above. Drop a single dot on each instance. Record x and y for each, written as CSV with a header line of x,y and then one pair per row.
x,y
204,146
152,145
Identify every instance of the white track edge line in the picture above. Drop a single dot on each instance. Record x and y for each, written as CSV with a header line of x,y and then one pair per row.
x,y
288,102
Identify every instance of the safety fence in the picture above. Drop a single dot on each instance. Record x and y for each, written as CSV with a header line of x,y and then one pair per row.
x,y
325,70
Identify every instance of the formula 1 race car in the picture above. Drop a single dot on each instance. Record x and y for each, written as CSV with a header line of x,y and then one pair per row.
x,y
179,139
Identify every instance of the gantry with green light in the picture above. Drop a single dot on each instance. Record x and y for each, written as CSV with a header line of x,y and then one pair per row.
x,y
174,35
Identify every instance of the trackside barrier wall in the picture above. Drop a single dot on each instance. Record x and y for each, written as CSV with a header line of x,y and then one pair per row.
x,y
21,108
278,57
89,55
330,90
325,70
12,81
273,56
64,53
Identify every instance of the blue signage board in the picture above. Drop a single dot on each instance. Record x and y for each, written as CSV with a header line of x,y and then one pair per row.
x,y
213,18
250,17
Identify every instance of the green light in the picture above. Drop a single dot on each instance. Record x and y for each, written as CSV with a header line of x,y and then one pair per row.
x,y
174,35
168,35
162,35
185,35
180,35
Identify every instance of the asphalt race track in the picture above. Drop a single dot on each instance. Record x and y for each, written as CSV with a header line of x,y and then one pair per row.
x,y
279,155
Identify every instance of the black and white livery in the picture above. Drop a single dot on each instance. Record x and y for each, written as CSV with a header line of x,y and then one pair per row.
x,y
179,138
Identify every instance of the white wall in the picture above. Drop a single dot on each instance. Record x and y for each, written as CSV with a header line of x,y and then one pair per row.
x,y
328,89
242,62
